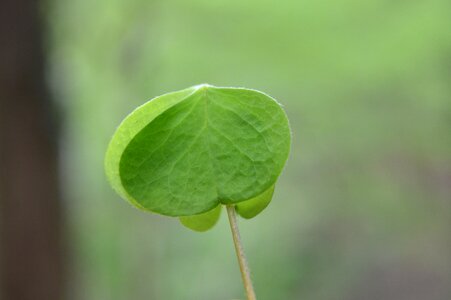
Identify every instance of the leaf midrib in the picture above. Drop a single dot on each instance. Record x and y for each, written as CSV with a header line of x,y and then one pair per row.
x,y
207,124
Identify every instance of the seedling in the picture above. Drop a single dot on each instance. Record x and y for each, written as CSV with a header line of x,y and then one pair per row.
x,y
187,154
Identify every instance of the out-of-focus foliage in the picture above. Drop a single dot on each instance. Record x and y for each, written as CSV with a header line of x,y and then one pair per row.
x,y
363,208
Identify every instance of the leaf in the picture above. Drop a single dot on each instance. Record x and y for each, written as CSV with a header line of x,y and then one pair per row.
x,y
204,221
251,208
129,127
183,153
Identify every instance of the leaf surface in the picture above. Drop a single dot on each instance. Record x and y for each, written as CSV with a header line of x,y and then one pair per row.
x,y
251,208
184,153
204,221
129,127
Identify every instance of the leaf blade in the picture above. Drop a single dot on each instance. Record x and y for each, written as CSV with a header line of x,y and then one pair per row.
x,y
253,207
132,124
204,221
211,146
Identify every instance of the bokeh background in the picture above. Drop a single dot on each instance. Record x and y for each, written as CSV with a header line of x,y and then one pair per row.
x,y
363,207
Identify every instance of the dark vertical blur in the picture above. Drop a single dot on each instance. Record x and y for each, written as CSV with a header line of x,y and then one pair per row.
x,y
30,217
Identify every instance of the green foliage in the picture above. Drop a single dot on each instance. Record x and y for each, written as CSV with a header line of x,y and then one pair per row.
x,y
184,153
250,208
131,126
202,222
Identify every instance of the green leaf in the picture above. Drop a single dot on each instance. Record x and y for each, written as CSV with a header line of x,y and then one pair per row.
x,y
251,208
183,153
204,221
129,127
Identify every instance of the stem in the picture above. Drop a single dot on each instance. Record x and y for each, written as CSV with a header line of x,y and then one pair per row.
x,y
245,273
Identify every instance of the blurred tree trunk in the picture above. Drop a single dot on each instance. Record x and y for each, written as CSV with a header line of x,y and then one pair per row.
x,y
30,217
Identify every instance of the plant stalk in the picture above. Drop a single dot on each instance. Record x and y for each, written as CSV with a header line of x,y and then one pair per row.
x,y
245,273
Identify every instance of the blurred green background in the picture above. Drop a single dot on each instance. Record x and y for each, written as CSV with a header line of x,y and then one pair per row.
x,y
363,208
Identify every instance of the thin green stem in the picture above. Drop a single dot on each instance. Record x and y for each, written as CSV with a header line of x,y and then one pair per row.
x,y
245,273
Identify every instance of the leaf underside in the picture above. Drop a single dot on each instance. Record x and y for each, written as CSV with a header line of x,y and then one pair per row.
x,y
204,221
184,153
251,208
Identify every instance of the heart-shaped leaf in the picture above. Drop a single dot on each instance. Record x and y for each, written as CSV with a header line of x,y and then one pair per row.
x,y
184,153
